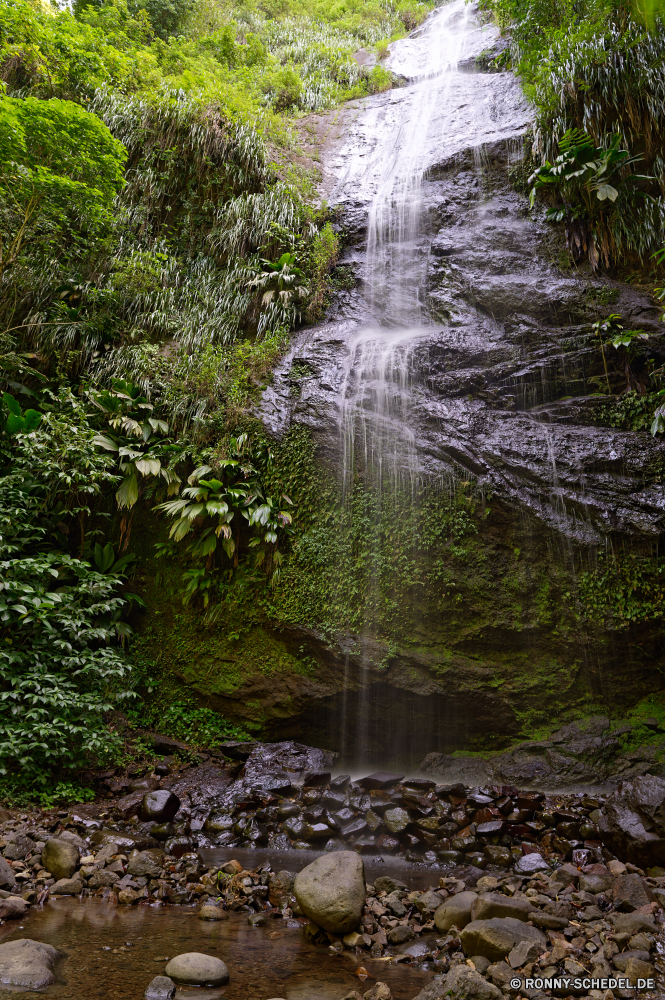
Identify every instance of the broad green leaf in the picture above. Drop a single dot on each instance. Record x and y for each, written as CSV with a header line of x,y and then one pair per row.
x,y
33,419
604,191
12,404
102,441
148,466
14,424
128,493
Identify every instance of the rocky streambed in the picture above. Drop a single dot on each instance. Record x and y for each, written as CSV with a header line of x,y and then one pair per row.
x,y
431,889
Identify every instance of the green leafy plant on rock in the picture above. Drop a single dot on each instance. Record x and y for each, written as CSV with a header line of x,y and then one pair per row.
x,y
213,509
282,285
138,438
628,341
584,179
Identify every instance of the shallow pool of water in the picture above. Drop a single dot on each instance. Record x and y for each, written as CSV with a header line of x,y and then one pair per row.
x,y
115,951
416,876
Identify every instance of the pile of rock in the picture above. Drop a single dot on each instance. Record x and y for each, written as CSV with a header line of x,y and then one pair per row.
x,y
489,828
412,817
479,933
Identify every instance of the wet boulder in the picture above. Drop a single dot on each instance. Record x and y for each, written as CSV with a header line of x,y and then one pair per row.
x,y
195,969
496,938
160,806
530,864
331,891
27,963
161,988
287,760
632,821
455,911
61,858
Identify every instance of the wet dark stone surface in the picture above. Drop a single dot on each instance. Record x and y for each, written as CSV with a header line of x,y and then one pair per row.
x,y
501,387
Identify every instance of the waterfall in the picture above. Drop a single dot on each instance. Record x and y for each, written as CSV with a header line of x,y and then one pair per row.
x,y
374,395
378,443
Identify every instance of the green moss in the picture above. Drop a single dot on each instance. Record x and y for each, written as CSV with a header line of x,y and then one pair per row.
x,y
504,618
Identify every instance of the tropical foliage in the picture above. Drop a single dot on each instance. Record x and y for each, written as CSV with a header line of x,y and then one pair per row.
x,y
595,71
157,245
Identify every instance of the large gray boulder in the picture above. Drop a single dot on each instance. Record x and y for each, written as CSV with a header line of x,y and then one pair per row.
x,y
496,938
632,821
27,963
60,858
456,910
331,891
461,983
195,969
7,877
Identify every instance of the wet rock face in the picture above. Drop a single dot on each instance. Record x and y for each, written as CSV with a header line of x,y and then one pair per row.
x,y
498,385
585,753
632,821
160,806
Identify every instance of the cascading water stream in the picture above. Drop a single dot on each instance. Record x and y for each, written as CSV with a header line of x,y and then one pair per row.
x,y
377,442
374,396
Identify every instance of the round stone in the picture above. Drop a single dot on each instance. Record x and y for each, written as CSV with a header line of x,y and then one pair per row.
x,y
196,969
160,805
331,891
60,858
210,912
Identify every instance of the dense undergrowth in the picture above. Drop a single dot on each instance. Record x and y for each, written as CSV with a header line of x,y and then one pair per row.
x,y
157,245
594,71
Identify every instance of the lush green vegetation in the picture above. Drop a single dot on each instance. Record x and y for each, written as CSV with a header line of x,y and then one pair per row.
x,y
595,71
157,245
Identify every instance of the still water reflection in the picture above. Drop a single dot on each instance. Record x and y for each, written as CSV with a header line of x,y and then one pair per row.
x,y
114,952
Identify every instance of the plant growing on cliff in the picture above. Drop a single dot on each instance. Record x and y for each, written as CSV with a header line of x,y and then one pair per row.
x,y
584,179
215,509
137,437
281,286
